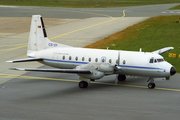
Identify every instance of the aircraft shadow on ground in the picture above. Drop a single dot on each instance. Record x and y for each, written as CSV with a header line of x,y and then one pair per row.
x,y
49,89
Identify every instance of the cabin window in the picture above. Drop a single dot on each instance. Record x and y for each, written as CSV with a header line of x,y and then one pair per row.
x,y
70,57
103,59
63,57
110,61
76,58
82,58
96,60
124,62
89,59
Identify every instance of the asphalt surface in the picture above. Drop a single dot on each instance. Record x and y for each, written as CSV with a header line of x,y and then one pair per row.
x,y
45,96
82,13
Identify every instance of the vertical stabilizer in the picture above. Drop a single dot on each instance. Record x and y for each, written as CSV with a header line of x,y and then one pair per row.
x,y
37,34
38,37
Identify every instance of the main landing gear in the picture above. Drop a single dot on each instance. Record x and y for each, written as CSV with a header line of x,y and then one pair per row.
x,y
151,84
83,84
121,77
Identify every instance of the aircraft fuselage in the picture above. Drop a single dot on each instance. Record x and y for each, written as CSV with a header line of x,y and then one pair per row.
x,y
129,63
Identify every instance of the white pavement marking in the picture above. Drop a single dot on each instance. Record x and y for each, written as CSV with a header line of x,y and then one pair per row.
x,y
171,11
8,6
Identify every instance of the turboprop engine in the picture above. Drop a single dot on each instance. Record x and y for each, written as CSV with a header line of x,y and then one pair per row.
x,y
98,70
93,76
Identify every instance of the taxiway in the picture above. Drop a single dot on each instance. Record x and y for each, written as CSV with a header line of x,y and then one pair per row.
x,y
47,96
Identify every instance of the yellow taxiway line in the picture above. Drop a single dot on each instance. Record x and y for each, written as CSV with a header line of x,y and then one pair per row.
x,y
66,80
91,25
14,48
13,45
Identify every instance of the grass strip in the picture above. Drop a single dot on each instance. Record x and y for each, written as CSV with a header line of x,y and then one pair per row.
x,y
176,8
85,3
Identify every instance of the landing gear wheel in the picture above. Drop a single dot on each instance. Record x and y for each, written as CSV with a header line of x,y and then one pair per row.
x,y
83,84
121,77
151,85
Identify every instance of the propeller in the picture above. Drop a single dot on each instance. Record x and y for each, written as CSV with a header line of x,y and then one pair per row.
x,y
116,80
117,67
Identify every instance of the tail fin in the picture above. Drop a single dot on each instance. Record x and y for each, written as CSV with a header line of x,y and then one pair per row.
x,y
38,38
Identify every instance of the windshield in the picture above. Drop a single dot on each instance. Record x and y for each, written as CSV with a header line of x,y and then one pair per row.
x,y
160,60
152,60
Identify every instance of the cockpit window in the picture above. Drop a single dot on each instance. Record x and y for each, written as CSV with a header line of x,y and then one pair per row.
x,y
151,60
155,61
160,60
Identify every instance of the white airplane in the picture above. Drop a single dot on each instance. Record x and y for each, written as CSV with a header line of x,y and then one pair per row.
x,y
93,64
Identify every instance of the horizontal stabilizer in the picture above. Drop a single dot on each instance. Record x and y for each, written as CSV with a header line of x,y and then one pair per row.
x,y
163,50
55,70
26,60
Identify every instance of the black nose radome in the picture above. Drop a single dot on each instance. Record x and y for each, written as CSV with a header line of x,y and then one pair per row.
x,y
172,71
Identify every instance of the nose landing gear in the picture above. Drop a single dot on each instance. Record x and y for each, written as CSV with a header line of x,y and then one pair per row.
x,y
151,84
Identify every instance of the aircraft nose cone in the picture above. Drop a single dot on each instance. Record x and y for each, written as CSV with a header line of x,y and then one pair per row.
x,y
172,71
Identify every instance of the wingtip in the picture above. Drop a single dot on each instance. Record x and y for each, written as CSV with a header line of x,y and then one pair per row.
x,y
9,61
20,69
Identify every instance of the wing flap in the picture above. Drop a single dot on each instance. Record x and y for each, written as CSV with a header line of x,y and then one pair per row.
x,y
76,71
26,60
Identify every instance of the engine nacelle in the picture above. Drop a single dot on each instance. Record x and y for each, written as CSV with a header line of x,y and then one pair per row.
x,y
161,79
106,67
94,75
98,70
103,67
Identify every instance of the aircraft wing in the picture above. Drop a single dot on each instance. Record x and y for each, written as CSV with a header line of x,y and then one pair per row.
x,y
77,71
163,50
26,60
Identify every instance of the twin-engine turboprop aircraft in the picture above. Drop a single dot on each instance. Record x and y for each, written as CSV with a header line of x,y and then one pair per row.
x,y
93,64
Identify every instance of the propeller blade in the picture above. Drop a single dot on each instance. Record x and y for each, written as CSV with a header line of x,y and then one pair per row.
x,y
116,80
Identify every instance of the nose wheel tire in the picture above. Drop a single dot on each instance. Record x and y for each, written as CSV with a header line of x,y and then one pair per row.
x,y
151,85
83,84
